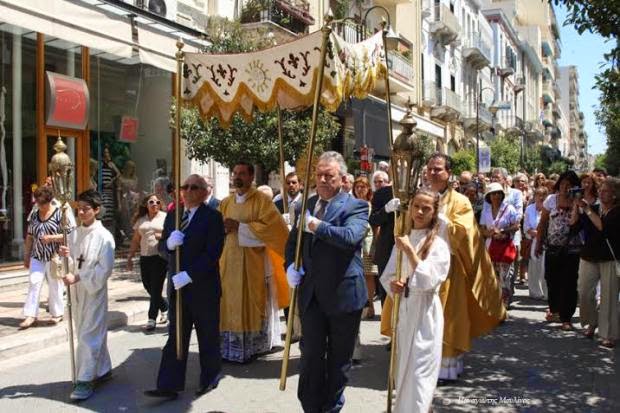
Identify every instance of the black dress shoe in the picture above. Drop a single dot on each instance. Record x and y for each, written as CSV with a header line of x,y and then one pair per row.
x,y
162,394
207,388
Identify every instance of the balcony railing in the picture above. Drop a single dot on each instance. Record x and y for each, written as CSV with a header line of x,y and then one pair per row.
x,y
548,93
442,97
445,25
293,15
399,66
477,49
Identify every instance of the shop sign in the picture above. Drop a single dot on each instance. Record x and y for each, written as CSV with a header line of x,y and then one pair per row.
x,y
67,101
129,129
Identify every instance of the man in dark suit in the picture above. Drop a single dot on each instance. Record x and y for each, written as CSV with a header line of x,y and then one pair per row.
x,y
211,200
201,239
332,290
380,217
293,191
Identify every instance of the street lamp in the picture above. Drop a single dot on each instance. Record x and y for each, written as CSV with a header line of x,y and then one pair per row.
x,y
493,109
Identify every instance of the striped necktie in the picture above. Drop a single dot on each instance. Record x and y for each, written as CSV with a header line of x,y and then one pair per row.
x,y
184,221
322,207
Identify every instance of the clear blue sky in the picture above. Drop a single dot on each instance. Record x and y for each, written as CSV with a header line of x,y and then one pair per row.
x,y
586,52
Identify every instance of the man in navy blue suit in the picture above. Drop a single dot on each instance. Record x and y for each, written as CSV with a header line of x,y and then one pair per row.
x,y
211,200
201,239
332,290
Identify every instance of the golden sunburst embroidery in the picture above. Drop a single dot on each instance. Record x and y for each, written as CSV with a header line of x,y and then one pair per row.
x,y
258,75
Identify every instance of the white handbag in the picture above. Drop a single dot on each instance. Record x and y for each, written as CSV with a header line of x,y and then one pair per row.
x,y
57,269
614,256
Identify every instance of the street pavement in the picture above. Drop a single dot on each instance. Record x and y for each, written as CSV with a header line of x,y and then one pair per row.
x,y
525,365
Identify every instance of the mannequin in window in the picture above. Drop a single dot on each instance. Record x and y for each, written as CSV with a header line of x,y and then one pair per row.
x,y
109,181
128,197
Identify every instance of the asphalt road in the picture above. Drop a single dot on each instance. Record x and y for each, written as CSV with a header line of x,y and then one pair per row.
x,y
525,365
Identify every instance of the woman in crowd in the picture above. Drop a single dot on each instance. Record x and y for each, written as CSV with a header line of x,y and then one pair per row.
x,y
536,266
500,222
589,184
539,180
148,226
601,224
558,232
361,190
425,264
42,243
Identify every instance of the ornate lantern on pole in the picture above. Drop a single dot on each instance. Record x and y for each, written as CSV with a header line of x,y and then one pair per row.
x,y
61,172
407,163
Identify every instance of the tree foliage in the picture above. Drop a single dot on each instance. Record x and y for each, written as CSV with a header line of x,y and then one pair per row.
x,y
255,141
463,160
505,153
603,17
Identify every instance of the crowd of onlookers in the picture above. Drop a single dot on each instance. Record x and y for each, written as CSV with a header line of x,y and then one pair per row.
x,y
560,235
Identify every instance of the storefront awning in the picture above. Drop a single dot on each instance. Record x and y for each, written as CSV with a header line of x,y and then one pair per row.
x,y
100,26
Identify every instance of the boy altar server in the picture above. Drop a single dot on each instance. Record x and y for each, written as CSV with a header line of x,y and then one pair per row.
x,y
92,248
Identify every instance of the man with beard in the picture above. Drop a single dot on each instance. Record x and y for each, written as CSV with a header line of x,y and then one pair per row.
x,y
254,286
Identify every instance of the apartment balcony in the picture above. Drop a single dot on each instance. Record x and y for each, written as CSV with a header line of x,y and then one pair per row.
x,y
508,66
445,104
428,6
519,84
286,19
547,50
480,123
547,117
477,51
445,26
548,68
557,113
548,93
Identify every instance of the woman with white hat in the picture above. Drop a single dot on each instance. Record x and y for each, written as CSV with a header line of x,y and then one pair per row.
x,y
498,225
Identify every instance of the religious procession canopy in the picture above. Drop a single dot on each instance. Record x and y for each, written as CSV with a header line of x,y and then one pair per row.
x,y
284,76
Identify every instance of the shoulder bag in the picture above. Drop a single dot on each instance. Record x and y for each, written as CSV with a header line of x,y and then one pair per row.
x,y
614,256
502,250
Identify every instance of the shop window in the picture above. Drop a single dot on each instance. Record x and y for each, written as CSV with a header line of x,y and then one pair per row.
x,y
17,137
130,138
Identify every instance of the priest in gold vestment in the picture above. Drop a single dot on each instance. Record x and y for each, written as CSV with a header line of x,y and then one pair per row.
x,y
254,285
471,295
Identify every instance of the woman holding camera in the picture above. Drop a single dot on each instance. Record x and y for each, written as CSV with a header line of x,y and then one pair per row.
x,y
589,184
601,225
558,232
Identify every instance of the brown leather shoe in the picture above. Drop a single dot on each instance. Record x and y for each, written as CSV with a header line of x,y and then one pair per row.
x,y
27,323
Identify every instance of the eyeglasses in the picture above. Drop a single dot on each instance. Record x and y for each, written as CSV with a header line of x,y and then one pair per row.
x,y
191,187
153,202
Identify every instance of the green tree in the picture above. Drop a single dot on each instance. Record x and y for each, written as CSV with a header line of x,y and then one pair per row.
x,y
255,141
463,160
505,153
603,17
600,161
557,167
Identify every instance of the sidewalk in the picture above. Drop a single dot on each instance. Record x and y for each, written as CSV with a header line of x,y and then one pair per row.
x,y
127,300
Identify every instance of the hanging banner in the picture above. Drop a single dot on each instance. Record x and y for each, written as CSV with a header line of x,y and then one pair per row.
x,y
66,100
285,75
484,156
129,129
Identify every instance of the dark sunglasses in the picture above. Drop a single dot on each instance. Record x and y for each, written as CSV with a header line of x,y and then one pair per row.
x,y
191,187
153,202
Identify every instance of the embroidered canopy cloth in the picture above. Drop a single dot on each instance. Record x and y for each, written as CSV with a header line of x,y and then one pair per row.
x,y
285,76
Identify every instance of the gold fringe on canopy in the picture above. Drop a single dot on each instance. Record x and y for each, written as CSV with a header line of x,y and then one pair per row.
x,y
284,76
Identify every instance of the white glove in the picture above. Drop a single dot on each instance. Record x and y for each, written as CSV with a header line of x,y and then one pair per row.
x,y
392,205
308,219
287,218
181,279
293,276
175,239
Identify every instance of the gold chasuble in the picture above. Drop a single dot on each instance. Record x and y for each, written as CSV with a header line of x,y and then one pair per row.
x,y
248,273
471,295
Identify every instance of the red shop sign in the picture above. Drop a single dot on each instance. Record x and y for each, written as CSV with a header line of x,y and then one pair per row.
x,y
129,129
67,101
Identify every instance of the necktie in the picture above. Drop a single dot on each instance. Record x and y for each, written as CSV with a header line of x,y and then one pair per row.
x,y
184,221
322,207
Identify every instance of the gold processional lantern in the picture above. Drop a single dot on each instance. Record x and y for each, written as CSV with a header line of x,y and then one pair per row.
x,y
407,162
61,172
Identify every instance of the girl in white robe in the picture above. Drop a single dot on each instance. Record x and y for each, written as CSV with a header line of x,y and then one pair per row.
x,y
92,248
425,265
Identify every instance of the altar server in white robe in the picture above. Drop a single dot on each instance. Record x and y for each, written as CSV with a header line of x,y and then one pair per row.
x,y
92,248
425,265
